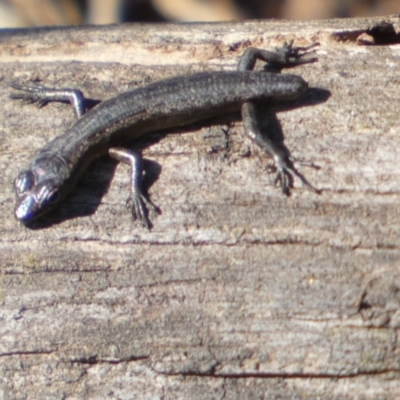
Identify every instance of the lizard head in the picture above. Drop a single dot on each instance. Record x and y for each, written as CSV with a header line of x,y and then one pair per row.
x,y
38,188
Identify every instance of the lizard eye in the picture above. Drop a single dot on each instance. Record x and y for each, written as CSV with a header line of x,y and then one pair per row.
x,y
53,197
25,181
46,193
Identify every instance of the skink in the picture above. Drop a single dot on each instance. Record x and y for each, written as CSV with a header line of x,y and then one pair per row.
x,y
177,101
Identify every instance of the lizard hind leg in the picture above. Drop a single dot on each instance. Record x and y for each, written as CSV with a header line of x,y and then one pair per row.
x,y
285,167
285,56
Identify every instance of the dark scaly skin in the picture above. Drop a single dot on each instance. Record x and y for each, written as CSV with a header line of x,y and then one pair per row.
x,y
168,103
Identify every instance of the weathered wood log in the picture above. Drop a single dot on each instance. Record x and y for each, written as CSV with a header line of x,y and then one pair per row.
x,y
237,292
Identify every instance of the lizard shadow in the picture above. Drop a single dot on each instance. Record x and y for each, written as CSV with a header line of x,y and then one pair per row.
x,y
86,197
89,191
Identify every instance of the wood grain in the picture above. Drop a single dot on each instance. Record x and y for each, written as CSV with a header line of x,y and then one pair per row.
x,y
236,292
